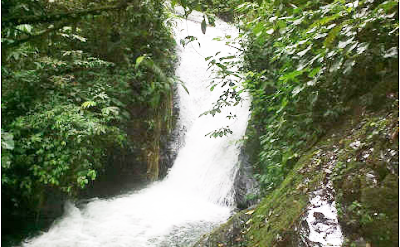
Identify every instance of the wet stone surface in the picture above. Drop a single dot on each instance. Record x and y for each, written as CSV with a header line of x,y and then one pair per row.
x,y
320,225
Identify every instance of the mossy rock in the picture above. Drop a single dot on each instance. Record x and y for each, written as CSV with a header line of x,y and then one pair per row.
x,y
351,188
229,234
366,190
367,185
275,219
381,204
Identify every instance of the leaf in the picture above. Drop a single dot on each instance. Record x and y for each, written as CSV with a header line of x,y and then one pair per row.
x,y
184,87
270,31
362,47
139,60
7,141
332,36
101,95
388,5
250,212
188,39
203,26
25,28
314,72
290,76
212,87
392,52
297,90
348,66
302,53
111,109
80,38
88,104
343,44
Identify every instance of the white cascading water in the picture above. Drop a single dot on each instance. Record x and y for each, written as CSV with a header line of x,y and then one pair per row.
x,y
198,192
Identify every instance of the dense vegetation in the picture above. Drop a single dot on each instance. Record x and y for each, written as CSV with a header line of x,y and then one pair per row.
x,y
76,77
83,80
323,76
305,62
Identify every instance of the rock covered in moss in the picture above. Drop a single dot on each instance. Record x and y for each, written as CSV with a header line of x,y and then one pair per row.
x,y
360,158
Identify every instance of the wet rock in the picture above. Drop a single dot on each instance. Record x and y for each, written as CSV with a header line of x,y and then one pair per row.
x,y
244,183
358,179
171,142
229,235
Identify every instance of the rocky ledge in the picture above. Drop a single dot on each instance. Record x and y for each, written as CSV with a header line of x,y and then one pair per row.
x,y
342,192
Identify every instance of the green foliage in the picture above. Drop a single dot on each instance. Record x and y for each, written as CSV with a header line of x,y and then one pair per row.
x,y
220,132
67,97
311,59
304,62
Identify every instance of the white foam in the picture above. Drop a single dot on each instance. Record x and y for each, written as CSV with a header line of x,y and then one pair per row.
x,y
198,192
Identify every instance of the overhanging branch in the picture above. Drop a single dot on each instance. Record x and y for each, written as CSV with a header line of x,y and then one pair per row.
x,y
21,41
68,17
37,19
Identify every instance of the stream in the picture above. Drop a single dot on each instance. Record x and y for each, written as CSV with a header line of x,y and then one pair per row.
x,y
198,193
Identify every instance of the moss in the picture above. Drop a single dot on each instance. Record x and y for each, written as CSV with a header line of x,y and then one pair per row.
x,y
278,214
229,234
365,179
381,207
153,127
153,151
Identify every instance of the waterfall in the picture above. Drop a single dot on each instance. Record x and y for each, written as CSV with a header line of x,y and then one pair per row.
x,y
198,192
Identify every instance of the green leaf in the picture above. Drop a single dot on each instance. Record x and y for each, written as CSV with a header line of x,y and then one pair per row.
x,y
291,76
332,36
388,5
88,104
25,28
314,72
111,109
213,87
203,26
139,60
7,141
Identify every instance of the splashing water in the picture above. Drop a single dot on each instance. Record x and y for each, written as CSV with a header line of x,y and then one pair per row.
x,y
198,192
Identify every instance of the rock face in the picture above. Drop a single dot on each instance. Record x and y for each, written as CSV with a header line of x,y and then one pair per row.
x,y
353,171
171,142
149,158
229,234
246,187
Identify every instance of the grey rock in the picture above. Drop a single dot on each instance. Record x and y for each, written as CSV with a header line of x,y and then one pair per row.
x,y
244,183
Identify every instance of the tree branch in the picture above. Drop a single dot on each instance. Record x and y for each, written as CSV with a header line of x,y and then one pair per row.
x,y
37,19
21,41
